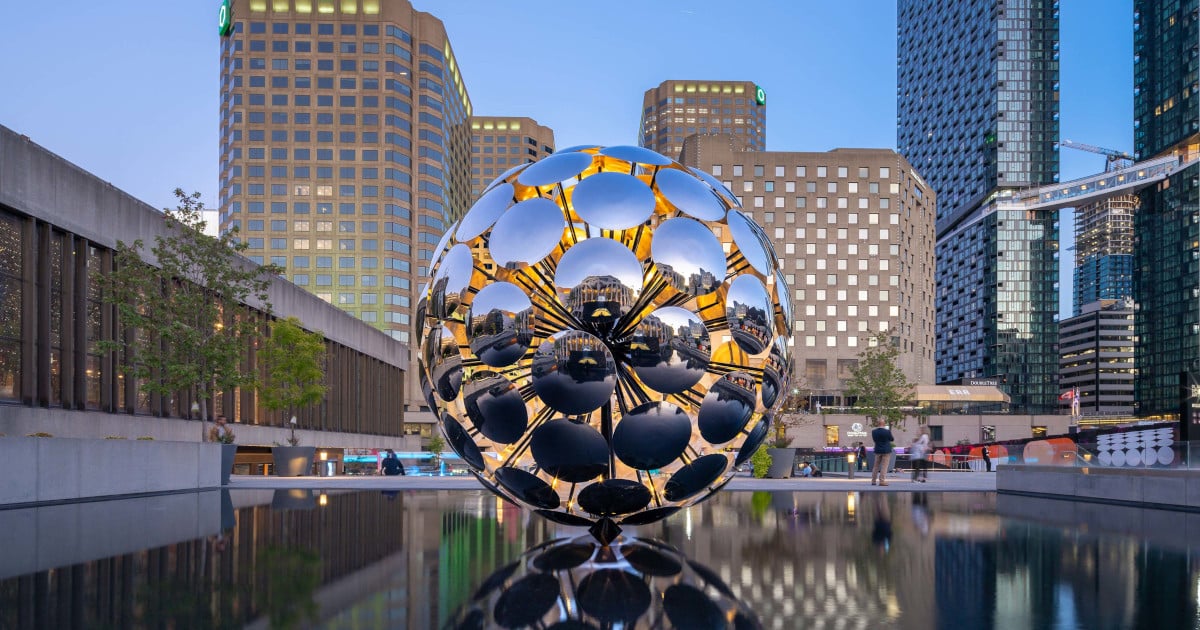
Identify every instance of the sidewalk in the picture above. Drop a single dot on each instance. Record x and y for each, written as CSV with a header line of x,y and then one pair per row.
x,y
832,482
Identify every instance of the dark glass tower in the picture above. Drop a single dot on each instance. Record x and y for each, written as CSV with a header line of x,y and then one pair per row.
x,y
1166,110
977,114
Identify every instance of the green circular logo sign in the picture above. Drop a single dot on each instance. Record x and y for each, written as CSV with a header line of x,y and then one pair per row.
x,y
225,19
760,95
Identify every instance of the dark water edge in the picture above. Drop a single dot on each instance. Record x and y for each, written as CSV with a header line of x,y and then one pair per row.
x,y
416,559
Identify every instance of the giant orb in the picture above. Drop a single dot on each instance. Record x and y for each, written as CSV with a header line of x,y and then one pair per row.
x,y
604,337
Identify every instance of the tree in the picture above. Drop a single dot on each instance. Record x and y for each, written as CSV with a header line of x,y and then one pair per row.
x,y
436,444
192,333
295,371
877,383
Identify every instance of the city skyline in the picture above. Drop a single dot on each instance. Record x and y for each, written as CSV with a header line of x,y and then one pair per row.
x,y
846,100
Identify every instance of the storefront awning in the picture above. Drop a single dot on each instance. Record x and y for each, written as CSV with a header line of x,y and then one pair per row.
x,y
960,393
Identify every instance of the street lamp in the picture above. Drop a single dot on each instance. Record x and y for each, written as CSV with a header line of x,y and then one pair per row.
x,y
851,457
292,440
195,408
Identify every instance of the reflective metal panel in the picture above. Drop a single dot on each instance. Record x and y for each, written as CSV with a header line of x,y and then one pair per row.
x,y
727,407
652,435
574,372
718,187
749,312
639,155
495,407
669,350
689,194
745,236
484,213
570,451
527,233
500,324
554,169
695,477
601,278
613,201
445,367
505,175
688,256
614,496
451,282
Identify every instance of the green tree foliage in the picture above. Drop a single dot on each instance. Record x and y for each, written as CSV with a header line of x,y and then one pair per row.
x,y
877,383
191,334
292,576
760,461
295,367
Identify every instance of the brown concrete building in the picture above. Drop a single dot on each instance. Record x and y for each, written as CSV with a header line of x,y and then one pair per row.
x,y
854,230
344,149
498,143
677,109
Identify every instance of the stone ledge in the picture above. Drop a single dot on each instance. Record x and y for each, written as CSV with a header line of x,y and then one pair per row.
x,y
50,470
1170,488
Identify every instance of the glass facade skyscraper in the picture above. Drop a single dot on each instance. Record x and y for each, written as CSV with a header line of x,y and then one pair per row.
x,y
977,113
1166,109
1104,251
345,149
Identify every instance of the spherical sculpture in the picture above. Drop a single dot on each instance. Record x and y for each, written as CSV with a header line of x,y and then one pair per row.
x,y
605,336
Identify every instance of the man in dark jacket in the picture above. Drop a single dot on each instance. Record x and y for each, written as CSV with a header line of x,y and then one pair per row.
x,y
882,436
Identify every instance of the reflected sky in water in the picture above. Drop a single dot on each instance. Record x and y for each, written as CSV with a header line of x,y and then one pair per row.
x,y
415,558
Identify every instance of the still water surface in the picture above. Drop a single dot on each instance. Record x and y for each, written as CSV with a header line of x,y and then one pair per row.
x,y
430,559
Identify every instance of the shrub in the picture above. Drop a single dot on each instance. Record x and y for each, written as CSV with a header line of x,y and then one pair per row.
x,y
761,461
40,434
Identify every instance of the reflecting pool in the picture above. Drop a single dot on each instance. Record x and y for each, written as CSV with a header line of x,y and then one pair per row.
x,y
431,559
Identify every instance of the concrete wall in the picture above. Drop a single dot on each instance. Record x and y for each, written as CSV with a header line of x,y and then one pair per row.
x,y
19,421
1177,488
40,538
955,427
38,470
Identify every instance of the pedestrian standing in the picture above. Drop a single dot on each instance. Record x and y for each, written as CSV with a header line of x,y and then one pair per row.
x,y
883,439
862,456
987,458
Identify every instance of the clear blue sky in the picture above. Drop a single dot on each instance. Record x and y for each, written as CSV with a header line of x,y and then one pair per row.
x,y
129,90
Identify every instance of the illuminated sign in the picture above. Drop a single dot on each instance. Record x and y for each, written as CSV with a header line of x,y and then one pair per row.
x,y
225,19
760,96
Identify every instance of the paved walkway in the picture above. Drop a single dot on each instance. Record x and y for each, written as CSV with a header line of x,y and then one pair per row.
x,y
900,482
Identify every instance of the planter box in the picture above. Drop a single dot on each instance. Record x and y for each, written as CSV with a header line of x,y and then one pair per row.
x,y
783,460
293,461
228,454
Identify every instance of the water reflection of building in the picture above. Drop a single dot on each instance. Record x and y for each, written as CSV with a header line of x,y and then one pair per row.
x,y
402,561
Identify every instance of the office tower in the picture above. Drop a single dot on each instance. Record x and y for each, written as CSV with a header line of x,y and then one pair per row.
x,y
677,109
498,143
853,229
1104,251
1166,110
1096,358
344,149
977,115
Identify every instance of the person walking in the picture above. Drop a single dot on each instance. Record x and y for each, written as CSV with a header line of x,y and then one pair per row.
x,y
862,457
918,455
883,439
987,458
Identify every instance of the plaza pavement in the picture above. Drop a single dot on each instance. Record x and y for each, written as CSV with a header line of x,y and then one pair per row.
x,y
964,481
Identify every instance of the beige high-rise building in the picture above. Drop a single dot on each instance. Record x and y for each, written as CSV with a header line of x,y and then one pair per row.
x,y
677,109
854,231
498,143
344,150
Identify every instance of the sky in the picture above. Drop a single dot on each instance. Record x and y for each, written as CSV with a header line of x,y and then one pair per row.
x,y
129,90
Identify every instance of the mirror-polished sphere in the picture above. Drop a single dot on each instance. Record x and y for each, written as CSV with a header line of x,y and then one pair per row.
x,y
605,336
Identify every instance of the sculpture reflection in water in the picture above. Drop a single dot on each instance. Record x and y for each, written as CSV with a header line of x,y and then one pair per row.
x,y
604,338
629,583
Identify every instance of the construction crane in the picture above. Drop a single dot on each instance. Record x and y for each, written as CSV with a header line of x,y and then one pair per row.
x,y
1116,159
